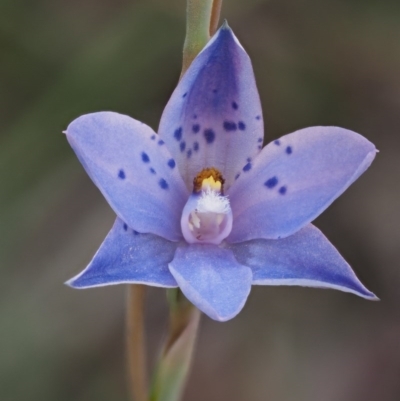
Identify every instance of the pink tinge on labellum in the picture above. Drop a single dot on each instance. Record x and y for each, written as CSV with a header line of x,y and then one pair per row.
x,y
207,215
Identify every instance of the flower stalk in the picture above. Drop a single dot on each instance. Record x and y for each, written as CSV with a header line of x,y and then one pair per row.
x,y
202,18
174,365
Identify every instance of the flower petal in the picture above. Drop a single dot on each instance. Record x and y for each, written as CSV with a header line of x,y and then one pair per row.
x,y
212,279
294,179
126,256
214,117
133,169
306,258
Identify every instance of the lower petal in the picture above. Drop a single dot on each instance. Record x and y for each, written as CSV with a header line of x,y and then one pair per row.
x,y
212,279
306,258
127,257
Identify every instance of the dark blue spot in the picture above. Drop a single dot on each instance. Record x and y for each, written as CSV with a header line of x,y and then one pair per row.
x,y
241,125
153,137
189,153
196,128
258,117
215,90
171,163
152,171
209,134
289,150
272,182
277,142
178,134
161,142
282,190
259,140
184,95
237,176
135,232
249,159
196,146
235,105
195,116
229,126
145,157
260,147
182,146
125,226
163,184
247,167
121,174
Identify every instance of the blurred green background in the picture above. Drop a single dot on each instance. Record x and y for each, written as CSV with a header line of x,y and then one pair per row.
x,y
317,62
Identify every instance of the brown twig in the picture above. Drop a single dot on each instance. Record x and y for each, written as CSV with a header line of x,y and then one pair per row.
x,y
215,13
136,342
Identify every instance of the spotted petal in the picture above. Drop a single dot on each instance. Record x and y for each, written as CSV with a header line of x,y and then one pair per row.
x,y
133,169
214,118
294,179
126,256
306,259
212,279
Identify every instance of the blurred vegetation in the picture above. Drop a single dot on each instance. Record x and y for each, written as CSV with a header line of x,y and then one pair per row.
x,y
317,62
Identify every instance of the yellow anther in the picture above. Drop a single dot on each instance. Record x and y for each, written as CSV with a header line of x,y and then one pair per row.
x,y
211,184
209,178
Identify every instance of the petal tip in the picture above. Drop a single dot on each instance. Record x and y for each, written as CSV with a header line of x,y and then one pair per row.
x,y
214,314
371,296
75,282
223,319
70,283
225,25
223,33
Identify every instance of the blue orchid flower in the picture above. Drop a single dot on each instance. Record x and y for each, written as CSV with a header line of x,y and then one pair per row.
x,y
201,205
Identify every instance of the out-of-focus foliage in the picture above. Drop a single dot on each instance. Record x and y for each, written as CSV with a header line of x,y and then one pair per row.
x,y
317,62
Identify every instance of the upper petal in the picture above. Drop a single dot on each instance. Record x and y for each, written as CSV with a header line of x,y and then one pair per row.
x,y
306,258
126,256
212,279
214,117
133,169
294,179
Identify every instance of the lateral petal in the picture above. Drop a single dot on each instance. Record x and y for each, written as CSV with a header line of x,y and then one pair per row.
x,y
294,179
133,169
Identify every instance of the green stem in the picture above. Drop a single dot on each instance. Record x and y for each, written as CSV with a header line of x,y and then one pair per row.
x,y
136,342
176,357
198,17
